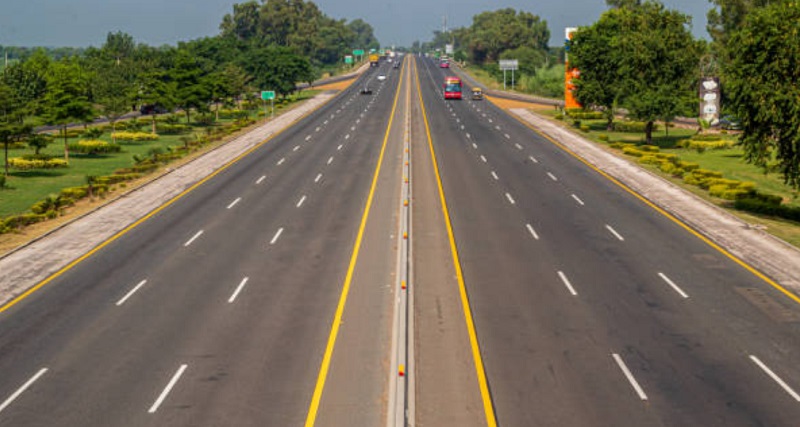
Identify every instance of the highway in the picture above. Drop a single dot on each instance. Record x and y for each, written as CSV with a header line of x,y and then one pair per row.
x,y
544,294
590,307
218,310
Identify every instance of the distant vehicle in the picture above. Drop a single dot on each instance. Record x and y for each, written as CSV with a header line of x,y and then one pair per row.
x,y
452,87
148,109
366,91
444,64
477,94
730,123
373,60
381,77
396,65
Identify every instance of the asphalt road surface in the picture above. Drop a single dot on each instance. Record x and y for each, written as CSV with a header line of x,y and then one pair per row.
x,y
545,294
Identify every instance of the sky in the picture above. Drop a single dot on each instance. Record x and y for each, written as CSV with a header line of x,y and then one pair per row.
x,y
81,23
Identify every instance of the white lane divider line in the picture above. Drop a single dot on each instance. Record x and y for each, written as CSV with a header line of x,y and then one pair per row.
x,y
490,120
260,180
578,199
469,136
319,177
167,389
510,199
308,137
130,293
296,147
553,177
276,237
462,127
316,130
325,122
196,235
346,137
238,289
496,127
234,203
507,136
353,127
673,285
533,159
474,145
774,377
629,376
532,231
567,283
22,389
358,121
494,175
483,158
300,203
339,148
330,160
280,162
519,147
614,232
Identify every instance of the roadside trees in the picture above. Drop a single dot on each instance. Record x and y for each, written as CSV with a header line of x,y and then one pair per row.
x,y
761,75
67,100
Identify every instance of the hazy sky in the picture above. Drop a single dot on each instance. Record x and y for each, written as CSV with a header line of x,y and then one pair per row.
x,y
81,23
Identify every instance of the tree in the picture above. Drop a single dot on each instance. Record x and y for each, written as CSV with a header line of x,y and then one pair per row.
x,y
277,68
243,24
364,35
191,88
12,113
494,32
67,99
623,3
728,16
762,76
113,91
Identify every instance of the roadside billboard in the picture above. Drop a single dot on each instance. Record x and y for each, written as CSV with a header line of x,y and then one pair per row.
x,y
709,99
571,74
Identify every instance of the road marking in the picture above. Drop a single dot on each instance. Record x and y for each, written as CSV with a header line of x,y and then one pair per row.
x,y
358,121
196,235
494,175
325,122
308,137
296,147
346,137
496,127
474,145
533,159
319,176
316,130
673,285
462,127
238,289
276,237
532,231
469,136
553,177
614,232
483,158
519,147
337,318
507,136
260,180
300,203
330,160
510,199
22,389
577,199
353,128
490,120
567,283
629,376
339,148
775,378
233,203
130,293
167,389
480,372
280,162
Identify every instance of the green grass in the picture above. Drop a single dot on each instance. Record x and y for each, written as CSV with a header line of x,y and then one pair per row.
x,y
24,188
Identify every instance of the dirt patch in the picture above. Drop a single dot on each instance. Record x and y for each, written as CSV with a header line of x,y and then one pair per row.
x,y
511,103
336,86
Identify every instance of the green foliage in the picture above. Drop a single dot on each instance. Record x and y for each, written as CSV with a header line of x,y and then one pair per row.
x,y
25,164
135,136
493,33
760,206
762,74
94,132
94,146
631,126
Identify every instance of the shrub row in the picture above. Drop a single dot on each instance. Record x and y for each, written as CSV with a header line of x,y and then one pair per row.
x,y
24,164
587,115
135,136
632,127
704,144
760,206
177,129
94,146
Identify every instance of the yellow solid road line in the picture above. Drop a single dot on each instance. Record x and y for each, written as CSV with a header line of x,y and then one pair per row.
x,y
668,215
337,318
488,406
125,230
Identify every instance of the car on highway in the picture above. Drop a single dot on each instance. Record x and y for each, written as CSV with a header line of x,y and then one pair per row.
x,y
366,90
381,77
444,64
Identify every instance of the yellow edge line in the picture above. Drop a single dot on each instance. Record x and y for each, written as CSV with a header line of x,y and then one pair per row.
x,y
337,318
488,407
152,213
669,216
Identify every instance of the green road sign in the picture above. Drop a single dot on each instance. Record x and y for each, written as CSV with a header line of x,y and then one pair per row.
x,y
267,95
348,59
358,52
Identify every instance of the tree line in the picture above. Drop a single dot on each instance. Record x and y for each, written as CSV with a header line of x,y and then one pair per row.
x,y
272,45
641,56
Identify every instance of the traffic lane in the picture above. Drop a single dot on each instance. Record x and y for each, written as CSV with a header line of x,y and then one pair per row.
x,y
356,390
549,228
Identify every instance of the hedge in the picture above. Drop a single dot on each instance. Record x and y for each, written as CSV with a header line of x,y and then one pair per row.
x,y
23,164
135,136
168,129
633,127
761,206
94,146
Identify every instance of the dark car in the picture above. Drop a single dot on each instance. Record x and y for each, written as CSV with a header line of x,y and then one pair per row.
x,y
730,123
147,109
366,91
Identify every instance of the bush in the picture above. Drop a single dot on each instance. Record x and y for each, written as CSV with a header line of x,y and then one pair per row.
x,y
758,205
649,148
632,127
2,181
232,114
74,193
603,137
94,146
22,164
93,133
584,128
632,151
168,129
135,136
587,115
19,221
71,133
559,117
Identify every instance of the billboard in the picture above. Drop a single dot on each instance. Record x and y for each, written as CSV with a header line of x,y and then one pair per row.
x,y
571,74
709,99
